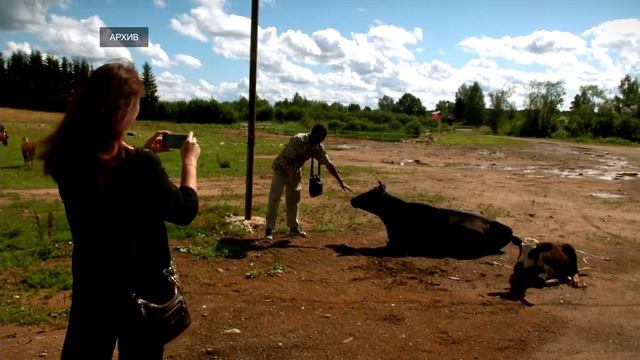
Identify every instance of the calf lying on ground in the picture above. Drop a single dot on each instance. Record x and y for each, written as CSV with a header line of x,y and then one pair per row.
x,y
422,230
28,151
543,264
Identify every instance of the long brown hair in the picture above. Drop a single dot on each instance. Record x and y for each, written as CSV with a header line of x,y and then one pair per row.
x,y
89,136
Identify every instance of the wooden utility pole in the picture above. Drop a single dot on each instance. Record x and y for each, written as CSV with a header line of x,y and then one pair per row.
x,y
251,132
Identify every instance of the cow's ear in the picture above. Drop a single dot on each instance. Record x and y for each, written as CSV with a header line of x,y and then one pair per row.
x,y
381,186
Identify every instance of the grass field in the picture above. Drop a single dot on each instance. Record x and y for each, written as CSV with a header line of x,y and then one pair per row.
x,y
227,143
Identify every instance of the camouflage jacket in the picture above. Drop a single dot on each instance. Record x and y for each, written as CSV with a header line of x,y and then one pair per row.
x,y
291,159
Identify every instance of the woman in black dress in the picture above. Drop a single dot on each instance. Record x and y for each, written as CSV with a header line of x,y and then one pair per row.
x,y
117,199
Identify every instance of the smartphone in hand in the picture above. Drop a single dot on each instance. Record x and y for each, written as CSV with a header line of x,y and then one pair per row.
x,y
173,141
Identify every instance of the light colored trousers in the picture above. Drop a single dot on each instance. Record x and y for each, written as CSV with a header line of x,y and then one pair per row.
x,y
292,185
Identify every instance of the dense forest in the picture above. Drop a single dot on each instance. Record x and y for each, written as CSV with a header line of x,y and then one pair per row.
x,y
39,82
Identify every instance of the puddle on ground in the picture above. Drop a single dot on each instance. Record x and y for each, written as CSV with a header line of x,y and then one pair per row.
x,y
597,173
348,147
606,166
604,195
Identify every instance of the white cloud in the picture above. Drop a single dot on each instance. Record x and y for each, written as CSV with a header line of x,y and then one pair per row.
x,y
210,17
284,70
67,36
548,48
392,40
295,42
188,60
176,87
26,15
231,49
328,65
346,80
205,85
362,56
187,26
14,47
233,90
331,95
58,35
620,38
600,56
332,45
160,3
436,70
158,56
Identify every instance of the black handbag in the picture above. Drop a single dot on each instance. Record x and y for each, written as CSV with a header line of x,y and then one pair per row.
x,y
163,322
315,182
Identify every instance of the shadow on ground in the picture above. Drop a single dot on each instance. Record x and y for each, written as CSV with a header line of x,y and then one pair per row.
x,y
237,248
385,251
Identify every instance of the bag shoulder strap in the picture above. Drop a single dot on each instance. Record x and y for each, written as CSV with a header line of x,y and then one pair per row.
x,y
319,167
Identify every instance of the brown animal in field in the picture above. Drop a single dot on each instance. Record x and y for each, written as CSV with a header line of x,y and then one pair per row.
x,y
28,151
542,264
224,164
4,136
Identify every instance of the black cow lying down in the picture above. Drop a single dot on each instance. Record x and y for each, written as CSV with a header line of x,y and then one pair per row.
x,y
418,229
542,264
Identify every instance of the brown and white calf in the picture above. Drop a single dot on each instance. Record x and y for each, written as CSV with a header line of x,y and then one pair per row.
x,y
28,151
542,264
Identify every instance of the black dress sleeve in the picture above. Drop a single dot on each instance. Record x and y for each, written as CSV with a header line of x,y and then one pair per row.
x,y
178,205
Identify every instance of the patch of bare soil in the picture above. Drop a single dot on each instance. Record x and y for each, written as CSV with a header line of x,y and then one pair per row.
x,y
333,304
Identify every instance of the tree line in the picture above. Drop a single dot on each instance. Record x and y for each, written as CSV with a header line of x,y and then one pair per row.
x,y
37,82
592,112
34,81
407,116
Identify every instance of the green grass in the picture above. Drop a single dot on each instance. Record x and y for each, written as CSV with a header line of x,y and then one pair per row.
x,y
206,231
213,248
224,142
35,256
277,269
338,217
58,278
28,316
431,199
32,231
14,174
474,139
602,141
613,239
493,212
35,231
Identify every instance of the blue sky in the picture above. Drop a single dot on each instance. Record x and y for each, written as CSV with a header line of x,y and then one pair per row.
x,y
346,50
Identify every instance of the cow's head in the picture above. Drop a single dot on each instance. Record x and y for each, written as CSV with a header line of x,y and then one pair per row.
x,y
525,271
366,201
526,246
